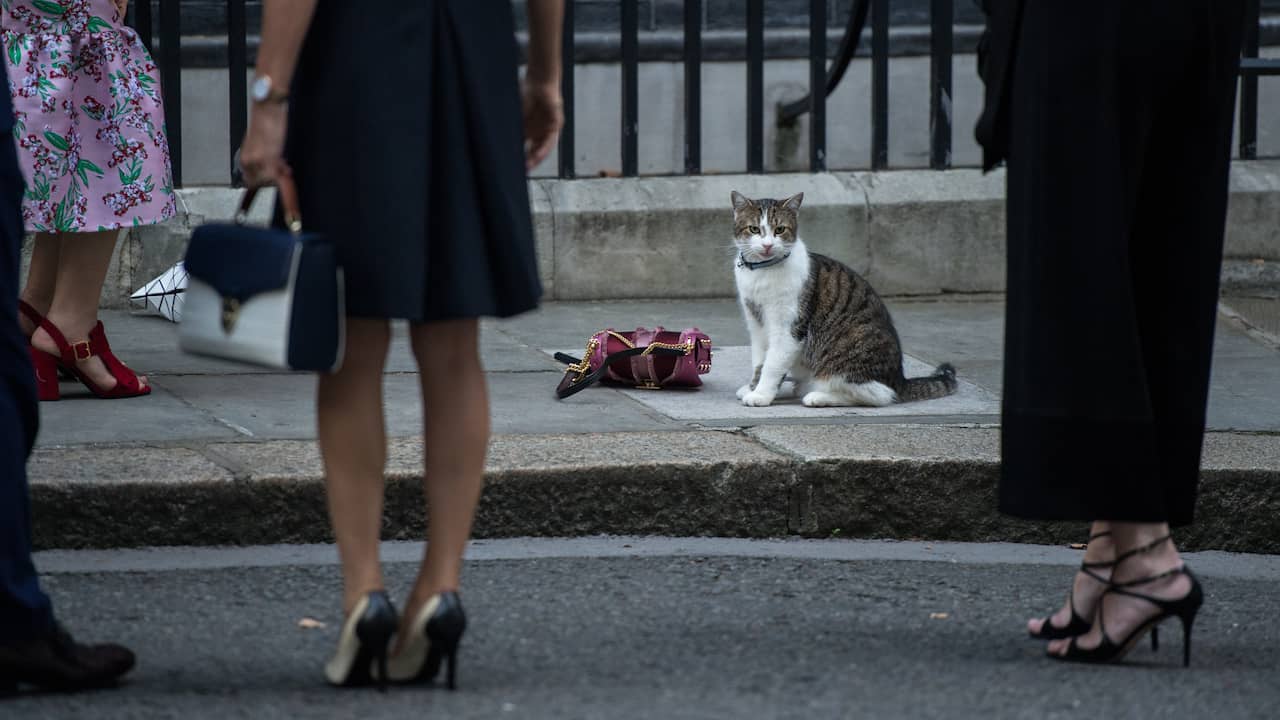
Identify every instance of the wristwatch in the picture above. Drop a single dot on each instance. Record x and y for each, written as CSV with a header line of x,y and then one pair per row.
x,y
262,91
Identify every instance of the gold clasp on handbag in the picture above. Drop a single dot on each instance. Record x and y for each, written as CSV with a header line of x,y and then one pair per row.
x,y
230,313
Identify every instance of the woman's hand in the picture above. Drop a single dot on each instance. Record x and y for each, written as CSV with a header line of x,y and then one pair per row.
x,y
262,152
122,7
543,117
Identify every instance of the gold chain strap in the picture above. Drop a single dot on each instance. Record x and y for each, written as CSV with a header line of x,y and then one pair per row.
x,y
687,347
621,338
584,366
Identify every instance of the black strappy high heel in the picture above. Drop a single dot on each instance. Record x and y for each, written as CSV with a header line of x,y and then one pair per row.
x,y
361,657
1184,608
1079,625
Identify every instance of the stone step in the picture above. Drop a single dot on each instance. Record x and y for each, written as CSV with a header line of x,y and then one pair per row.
x,y
897,481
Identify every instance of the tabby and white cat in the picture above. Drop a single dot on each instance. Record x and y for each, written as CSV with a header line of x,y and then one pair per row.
x,y
815,320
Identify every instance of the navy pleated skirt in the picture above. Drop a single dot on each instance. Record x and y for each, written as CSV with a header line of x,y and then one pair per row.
x,y
406,144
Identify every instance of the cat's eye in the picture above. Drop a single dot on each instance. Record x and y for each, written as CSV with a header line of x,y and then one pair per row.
x,y
754,229
781,230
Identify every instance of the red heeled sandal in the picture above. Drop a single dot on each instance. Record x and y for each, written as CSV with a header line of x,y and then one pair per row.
x,y
47,364
31,313
37,320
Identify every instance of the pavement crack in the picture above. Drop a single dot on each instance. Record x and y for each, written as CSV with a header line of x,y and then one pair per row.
x,y
237,429
239,471
551,210
1243,324
867,227
855,184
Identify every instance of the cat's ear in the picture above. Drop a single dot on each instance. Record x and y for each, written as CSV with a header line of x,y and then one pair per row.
x,y
793,203
739,200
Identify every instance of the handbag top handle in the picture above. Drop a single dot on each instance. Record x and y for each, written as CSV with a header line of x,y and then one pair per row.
x,y
288,198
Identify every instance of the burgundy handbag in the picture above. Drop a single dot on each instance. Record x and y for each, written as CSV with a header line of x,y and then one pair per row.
x,y
643,358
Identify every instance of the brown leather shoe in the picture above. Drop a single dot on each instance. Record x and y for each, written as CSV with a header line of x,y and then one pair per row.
x,y
57,662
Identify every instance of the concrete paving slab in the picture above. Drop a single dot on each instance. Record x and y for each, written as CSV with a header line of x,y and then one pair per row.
x,y
961,331
817,443
1232,340
1240,452
569,324
120,465
953,329
630,450
1244,394
986,374
202,399
716,400
299,460
81,419
965,331
1259,312
503,352
149,344
283,406
499,352
170,361
525,403
261,406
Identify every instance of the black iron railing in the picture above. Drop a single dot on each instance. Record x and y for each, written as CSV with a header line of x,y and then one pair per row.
x,y
823,79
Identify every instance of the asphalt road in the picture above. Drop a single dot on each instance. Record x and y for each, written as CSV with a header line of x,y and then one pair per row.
x,y
853,630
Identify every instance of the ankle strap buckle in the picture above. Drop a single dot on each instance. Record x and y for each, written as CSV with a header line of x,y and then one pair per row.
x,y
75,350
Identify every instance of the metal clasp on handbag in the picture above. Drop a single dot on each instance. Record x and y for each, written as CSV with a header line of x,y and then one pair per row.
x,y
230,313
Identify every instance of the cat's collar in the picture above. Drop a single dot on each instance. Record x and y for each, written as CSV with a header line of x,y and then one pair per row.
x,y
743,262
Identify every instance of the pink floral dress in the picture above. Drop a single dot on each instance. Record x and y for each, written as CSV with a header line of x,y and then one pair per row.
x,y
89,125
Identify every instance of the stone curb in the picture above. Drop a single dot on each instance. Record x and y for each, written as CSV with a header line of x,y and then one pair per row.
x,y
864,481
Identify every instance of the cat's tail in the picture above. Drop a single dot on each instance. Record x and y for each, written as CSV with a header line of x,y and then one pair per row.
x,y
940,384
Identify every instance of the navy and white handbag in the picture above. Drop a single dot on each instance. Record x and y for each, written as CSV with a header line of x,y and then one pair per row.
x,y
264,296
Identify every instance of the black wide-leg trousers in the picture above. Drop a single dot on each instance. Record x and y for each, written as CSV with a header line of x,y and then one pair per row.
x,y
25,611
1120,127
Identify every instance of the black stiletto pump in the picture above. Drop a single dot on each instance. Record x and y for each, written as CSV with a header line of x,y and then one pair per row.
x,y
432,640
361,657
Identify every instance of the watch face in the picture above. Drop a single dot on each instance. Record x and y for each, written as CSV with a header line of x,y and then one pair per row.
x,y
261,88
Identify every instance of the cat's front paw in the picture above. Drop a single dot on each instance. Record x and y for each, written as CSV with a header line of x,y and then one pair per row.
x,y
755,398
742,391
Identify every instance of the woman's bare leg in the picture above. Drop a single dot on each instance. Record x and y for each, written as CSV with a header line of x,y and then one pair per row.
x,y
353,444
456,418
41,278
